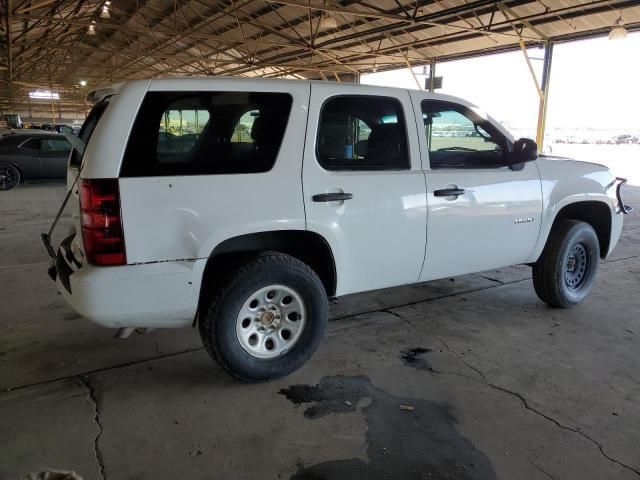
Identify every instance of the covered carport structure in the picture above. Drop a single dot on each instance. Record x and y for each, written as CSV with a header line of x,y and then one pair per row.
x,y
471,377
67,46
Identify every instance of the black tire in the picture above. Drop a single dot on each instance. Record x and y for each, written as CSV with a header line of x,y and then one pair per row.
x,y
567,268
9,176
218,321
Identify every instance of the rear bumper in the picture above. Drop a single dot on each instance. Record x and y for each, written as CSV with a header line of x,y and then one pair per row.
x,y
153,295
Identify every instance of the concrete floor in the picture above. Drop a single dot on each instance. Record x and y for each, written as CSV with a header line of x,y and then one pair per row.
x,y
469,378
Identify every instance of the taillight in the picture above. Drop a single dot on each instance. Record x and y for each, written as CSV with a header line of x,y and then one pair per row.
x,y
101,222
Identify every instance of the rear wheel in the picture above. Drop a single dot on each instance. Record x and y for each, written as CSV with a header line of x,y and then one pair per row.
x,y
267,320
566,271
9,176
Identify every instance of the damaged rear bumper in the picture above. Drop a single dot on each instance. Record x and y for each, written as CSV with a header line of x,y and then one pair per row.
x,y
153,295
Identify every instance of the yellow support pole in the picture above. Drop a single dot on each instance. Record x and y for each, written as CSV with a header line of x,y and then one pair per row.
x,y
544,98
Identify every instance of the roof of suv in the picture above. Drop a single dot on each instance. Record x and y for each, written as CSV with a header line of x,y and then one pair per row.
x,y
104,91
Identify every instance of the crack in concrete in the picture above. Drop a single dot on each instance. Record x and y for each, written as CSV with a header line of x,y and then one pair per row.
x,y
620,259
527,406
388,310
101,370
91,396
544,472
491,278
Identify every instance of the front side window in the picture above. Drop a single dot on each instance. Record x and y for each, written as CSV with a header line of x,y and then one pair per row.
x,y
362,132
205,133
457,137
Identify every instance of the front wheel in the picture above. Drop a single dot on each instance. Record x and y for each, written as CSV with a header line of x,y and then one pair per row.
x,y
267,320
9,176
566,271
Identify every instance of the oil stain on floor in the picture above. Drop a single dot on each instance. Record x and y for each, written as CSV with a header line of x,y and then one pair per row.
x,y
414,357
407,438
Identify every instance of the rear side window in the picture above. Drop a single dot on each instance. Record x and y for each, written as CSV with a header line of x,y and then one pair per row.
x,y
32,144
180,128
206,133
55,145
362,132
88,127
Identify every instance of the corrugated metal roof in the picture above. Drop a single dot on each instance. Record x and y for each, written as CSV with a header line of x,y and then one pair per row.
x,y
49,43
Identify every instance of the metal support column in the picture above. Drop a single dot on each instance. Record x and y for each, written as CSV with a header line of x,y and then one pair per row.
x,y
432,75
544,95
9,5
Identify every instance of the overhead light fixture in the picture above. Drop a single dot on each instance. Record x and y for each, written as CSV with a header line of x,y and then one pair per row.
x,y
328,22
44,95
105,11
91,30
83,83
618,31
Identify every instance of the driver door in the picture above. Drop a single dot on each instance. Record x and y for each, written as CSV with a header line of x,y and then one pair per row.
x,y
481,214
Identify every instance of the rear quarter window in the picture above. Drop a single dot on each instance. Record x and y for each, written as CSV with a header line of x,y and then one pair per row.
x,y
87,129
206,133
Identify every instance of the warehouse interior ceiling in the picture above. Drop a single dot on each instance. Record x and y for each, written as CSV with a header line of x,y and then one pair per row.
x,y
54,44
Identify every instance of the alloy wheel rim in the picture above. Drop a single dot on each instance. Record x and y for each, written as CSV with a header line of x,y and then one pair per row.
x,y
577,266
6,177
271,321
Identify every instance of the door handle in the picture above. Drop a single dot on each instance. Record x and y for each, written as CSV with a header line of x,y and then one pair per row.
x,y
448,192
332,197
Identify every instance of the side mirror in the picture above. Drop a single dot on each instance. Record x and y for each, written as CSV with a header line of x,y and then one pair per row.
x,y
524,150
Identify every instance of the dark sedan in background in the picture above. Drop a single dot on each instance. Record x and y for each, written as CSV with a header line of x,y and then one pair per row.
x,y
32,155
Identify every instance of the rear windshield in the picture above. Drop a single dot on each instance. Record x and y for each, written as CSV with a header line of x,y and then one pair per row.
x,y
204,133
12,140
87,129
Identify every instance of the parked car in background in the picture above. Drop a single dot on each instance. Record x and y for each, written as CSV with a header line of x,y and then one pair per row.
x,y
33,154
11,131
49,127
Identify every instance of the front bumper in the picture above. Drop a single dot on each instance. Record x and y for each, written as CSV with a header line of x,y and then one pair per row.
x,y
153,295
625,209
619,210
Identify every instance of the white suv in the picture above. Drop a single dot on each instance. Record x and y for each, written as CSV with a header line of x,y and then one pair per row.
x,y
243,204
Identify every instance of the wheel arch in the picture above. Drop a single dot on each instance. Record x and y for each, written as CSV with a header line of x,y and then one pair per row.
x,y
594,212
308,247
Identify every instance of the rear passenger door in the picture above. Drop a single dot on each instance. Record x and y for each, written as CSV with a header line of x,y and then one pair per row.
x,y
364,190
208,160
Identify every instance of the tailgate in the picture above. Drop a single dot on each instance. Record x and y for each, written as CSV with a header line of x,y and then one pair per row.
x,y
73,243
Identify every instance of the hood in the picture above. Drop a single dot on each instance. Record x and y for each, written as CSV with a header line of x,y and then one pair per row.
x,y
567,159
